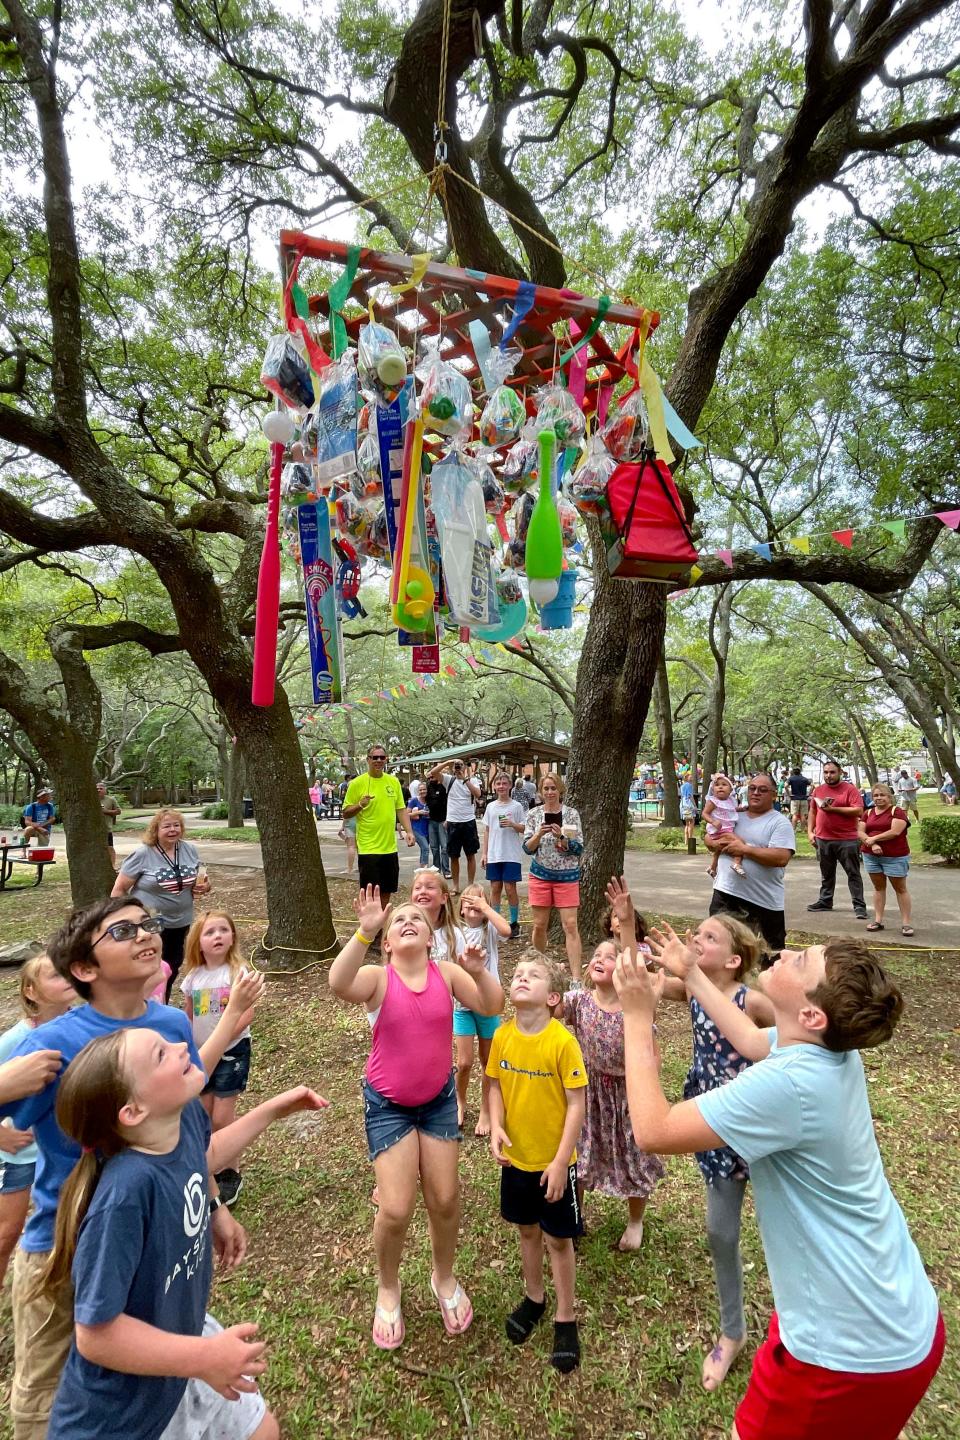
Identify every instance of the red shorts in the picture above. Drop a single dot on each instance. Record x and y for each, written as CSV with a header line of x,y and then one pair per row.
x,y
564,894
790,1400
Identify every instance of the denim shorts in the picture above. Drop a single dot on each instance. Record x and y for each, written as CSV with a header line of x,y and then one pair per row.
x,y
14,1177
469,1022
896,866
232,1071
387,1122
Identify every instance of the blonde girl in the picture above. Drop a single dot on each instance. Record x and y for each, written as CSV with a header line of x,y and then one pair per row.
x,y
44,995
483,928
726,950
410,1102
212,963
432,893
133,1234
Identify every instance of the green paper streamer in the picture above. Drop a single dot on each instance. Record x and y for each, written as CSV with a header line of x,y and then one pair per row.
x,y
337,297
603,305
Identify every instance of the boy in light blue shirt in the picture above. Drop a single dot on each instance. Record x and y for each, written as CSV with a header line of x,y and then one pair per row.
x,y
856,1336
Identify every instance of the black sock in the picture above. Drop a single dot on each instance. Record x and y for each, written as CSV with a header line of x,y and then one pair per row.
x,y
566,1346
521,1322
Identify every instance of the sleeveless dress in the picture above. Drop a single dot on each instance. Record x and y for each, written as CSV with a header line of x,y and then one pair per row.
x,y
608,1158
715,1061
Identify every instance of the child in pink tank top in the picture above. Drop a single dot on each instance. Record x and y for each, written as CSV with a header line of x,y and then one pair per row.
x,y
410,1104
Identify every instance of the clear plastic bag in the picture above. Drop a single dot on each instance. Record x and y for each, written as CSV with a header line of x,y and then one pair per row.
x,y
588,484
568,522
354,519
456,496
445,403
368,479
558,411
626,428
520,465
508,588
332,424
297,484
286,374
504,416
383,365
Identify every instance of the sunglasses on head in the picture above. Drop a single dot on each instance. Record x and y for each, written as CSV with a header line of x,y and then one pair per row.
x,y
129,929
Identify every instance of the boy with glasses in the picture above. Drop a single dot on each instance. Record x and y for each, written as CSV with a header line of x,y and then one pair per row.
x,y
376,799
108,951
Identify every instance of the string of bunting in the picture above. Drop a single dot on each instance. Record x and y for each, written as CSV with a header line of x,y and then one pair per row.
x,y
897,528
421,682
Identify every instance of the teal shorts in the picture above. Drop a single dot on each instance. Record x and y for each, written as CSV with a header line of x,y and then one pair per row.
x,y
468,1022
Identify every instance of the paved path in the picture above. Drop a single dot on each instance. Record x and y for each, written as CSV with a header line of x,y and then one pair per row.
x,y
678,885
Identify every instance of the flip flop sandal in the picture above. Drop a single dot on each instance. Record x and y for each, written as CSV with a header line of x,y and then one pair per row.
x,y
388,1317
907,930
448,1306
874,925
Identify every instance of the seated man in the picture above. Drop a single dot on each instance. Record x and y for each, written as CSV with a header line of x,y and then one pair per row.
x,y
38,817
856,1336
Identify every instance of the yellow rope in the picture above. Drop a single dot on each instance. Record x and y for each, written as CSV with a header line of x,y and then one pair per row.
x,y
444,57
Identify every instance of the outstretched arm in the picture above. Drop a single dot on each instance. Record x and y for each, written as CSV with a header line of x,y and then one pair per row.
x,y
350,978
679,960
658,1126
227,1145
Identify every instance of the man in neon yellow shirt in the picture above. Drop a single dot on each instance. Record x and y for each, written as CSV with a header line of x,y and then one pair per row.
x,y
376,799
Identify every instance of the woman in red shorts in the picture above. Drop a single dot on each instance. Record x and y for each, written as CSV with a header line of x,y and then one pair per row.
x,y
554,838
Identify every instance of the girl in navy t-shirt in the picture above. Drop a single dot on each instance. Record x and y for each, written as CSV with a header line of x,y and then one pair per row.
x,y
147,1362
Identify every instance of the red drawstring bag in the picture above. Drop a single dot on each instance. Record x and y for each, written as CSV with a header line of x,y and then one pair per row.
x,y
651,539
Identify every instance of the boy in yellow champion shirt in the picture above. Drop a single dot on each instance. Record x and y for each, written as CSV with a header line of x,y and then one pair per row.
x,y
537,1105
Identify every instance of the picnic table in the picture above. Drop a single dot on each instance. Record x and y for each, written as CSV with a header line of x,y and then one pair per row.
x,y
645,808
15,854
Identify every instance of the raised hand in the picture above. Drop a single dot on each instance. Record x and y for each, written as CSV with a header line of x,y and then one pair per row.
x,y
371,915
621,902
676,955
473,960
635,987
28,1074
246,992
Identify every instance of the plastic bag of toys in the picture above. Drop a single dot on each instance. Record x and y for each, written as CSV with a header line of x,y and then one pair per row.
x,y
285,372
383,365
332,424
367,480
445,403
354,519
558,411
504,416
508,588
588,484
520,464
626,428
568,522
297,485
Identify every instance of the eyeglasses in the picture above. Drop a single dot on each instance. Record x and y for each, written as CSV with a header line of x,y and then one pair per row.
x,y
376,757
760,789
129,929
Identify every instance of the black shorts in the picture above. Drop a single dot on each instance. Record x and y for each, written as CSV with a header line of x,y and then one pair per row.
x,y
771,924
523,1201
462,838
382,870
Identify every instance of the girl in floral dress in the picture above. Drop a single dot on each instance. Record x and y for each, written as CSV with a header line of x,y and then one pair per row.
x,y
608,1158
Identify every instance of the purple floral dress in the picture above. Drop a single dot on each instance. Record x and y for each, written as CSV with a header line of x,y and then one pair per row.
x,y
608,1158
714,1063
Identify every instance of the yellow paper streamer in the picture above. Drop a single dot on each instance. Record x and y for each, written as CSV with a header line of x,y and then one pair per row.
x,y
802,543
653,394
420,263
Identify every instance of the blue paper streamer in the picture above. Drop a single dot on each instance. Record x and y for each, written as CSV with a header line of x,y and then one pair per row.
x,y
526,294
765,551
678,430
482,348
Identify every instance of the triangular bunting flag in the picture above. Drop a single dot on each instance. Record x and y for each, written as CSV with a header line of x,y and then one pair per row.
x,y
421,681
764,551
726,556
474,664
843,537
450,669
896,527
801,543
695,573
950,518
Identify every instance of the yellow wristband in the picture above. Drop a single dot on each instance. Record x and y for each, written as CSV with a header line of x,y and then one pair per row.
x,y
364,939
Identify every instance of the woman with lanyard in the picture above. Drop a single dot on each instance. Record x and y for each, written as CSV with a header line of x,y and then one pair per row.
x,y
164,874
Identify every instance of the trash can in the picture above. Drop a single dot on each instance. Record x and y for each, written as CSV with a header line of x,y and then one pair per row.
x,y
247,808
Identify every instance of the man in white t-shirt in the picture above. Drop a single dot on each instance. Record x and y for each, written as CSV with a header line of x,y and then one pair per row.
x,y
856,1335
463,792
907,787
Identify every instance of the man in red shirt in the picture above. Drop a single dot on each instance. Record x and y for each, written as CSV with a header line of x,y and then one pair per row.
x,y
835,808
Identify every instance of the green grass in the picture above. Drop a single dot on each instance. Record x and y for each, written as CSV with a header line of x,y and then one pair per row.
x,y
646,1319
248,833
